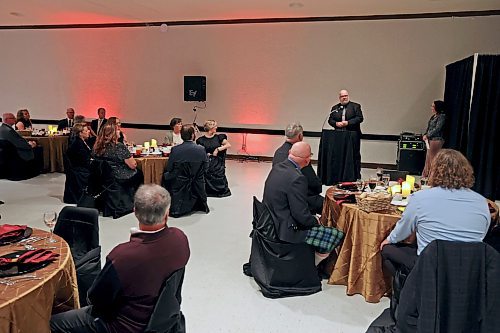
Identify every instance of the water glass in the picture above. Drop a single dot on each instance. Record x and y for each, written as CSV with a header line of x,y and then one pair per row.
x,y
49,218
386,178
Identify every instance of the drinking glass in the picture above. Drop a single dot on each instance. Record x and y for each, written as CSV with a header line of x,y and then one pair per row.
x,y
50,221
372,183
424,181
386,178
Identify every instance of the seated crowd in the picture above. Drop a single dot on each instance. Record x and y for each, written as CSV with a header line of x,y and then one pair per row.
x,y
288,241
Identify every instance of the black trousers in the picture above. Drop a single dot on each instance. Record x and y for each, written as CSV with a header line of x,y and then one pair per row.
x,y
397,256
77,321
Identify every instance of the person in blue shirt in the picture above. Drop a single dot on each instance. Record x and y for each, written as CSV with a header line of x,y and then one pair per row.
x,y
449,210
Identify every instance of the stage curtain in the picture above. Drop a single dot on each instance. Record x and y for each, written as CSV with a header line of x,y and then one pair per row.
x,y
483,146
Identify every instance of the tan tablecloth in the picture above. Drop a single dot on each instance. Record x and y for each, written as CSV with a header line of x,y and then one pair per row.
x,y
53,149
152,168
26,306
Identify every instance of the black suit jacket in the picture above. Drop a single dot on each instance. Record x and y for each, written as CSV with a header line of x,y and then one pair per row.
x,y
188,151
353,115
314,186
64,123
285,195
79,153
95,122
23,148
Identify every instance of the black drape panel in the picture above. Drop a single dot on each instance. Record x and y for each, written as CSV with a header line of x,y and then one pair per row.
x,y
457,94
483,148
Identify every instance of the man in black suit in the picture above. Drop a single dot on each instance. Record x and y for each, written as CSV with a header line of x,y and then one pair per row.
x,y
294,133
67,122
347,116
285,194
184,176
23,165
97,124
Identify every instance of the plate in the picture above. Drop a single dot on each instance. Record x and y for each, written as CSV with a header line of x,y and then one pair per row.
x,y
26,234
400,203
15,268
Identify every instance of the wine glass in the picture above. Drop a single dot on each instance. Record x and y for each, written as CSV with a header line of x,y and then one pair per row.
x,y
50,221
386,178
360,185
372,183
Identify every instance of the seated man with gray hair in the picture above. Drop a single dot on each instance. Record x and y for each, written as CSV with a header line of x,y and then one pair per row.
x,y
294,133
124,294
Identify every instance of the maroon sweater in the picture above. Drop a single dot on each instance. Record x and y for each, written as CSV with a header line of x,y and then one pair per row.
x,y
125,292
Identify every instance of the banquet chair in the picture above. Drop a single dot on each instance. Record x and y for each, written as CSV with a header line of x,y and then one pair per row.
x,y
76,181
167,315
453,287
396,174
79,227
13,167
186,185
280,269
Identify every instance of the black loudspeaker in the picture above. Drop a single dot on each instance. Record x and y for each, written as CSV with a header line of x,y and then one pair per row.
x,y
195,88
412,161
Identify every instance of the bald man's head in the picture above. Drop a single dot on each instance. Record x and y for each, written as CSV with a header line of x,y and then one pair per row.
x,y
343,97
300,153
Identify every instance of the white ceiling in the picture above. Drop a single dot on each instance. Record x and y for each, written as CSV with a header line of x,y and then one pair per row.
x,y
49,12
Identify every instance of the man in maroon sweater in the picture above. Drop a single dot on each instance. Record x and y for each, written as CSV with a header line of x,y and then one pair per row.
x,y
125,292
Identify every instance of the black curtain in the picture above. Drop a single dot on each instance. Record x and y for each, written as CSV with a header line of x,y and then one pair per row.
x,y
457,93
483,148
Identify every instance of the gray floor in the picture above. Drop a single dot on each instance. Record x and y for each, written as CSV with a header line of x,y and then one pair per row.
x,y
217,297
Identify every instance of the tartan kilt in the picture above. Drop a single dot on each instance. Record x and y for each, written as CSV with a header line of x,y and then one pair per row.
x,y
324,239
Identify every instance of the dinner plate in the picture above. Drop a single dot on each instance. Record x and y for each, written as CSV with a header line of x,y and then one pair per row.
x,y
20,268
10,240
400,203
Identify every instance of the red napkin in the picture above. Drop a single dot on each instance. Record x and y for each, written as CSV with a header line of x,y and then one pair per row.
x,y
11,231
31,257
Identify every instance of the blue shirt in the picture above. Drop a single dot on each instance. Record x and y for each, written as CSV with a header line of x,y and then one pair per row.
x,y
438,213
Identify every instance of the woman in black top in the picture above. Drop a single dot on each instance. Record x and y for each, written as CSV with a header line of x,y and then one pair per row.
x,y
79,150
216,146
23,121
434,134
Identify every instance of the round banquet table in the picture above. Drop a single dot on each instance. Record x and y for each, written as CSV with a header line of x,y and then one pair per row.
x,y
359,263
54,148
26,306
152,167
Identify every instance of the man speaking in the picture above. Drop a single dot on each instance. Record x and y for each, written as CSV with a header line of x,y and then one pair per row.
x,y
339,156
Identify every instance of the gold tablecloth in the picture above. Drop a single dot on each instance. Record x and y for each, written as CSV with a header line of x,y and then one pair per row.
x,y
152,168
53,149
26,306
359,264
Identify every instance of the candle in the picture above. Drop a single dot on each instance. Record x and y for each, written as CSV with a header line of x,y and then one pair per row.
x,y
411,181
146,145
406,189
396,189
154,143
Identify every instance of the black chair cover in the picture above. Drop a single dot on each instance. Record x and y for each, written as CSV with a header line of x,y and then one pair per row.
x,y
280,269
12,167
76,181
80,229
167,315
186,185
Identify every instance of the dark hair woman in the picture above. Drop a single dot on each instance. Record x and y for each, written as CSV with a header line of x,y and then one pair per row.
x,y
23,121
173,136
434,134
216,146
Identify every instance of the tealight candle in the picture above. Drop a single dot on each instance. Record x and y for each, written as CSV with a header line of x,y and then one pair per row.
x,y
154,144
411,181
146,145
406,189
396,189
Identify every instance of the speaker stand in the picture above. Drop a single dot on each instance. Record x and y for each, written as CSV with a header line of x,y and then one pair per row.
x,y
245,156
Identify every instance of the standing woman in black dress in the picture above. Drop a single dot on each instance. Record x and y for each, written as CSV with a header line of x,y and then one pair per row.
x,y
216,146
434,134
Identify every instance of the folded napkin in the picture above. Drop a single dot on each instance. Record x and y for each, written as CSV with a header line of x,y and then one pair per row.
x,y
31,257
349,186
8,231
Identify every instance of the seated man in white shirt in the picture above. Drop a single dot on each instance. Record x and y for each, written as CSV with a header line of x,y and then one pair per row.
x,y
450,211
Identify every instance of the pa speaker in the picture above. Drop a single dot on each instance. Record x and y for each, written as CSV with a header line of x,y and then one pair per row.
x,y
195,88
412,161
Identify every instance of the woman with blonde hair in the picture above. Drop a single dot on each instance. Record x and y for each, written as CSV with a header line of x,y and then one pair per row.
x,y
216,146
449,210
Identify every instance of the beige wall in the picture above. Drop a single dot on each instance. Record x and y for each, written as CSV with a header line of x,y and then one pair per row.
x,y
258,75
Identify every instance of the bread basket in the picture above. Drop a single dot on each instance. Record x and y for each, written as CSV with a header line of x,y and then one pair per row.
x,y
374,202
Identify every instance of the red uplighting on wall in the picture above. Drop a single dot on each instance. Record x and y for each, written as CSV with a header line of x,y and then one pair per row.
x,y
85,18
